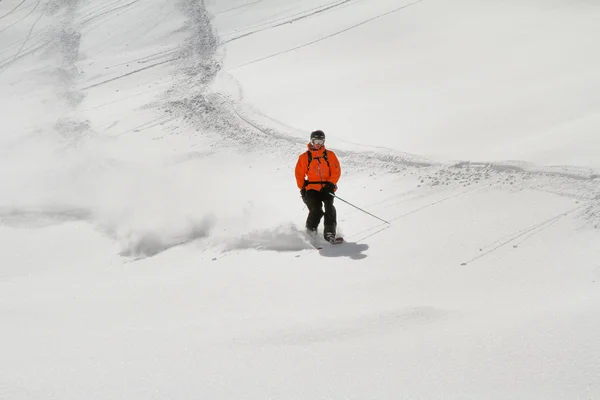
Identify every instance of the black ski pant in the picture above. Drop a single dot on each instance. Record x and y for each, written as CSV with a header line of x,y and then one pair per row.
x,y
315,200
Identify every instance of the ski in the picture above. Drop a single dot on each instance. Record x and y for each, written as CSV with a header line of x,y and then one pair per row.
x,y
337,240
333,242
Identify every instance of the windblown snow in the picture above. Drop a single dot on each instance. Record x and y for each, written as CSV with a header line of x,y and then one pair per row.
x,y
152,238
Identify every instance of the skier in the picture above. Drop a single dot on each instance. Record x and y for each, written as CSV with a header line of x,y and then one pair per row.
x,y
317,173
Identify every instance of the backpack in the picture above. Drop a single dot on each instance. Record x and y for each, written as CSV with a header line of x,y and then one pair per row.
x,y
310,158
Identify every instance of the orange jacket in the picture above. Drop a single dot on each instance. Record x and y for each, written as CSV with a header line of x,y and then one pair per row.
x,y
318,172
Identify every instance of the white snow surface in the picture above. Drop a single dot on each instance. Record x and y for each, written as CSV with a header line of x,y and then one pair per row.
x,y
151,230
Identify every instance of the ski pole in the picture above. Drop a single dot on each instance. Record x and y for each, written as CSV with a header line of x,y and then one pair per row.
x,y
358,208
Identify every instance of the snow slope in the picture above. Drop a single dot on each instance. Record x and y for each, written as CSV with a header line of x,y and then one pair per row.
x,y
151,239
470,80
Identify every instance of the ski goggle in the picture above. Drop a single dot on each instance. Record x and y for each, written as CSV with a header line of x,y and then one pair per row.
x,y
318,141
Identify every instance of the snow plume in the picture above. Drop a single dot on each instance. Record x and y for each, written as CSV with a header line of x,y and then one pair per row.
x,y
150,241
146,206
285,237
149,208
282,238
59,167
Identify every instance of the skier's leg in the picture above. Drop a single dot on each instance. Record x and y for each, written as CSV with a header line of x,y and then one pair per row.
x,y
330,216
315,210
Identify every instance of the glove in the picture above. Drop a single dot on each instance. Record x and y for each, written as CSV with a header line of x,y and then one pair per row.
x,y
303,194
329,187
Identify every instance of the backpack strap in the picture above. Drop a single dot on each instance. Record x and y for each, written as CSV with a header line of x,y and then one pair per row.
x,y
310,158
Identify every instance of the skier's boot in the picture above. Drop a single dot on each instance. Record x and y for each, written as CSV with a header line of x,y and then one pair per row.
x,y
330,237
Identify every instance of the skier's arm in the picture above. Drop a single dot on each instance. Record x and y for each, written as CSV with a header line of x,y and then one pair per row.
x,y
301,166
335,169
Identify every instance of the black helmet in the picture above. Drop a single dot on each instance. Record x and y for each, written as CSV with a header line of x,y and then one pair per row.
x,y
317,135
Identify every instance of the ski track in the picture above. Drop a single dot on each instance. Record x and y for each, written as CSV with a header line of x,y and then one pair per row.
x,y
328,36
158,19
17,21
128,74
14,9
524,235
109,10
238,7
7,62
287,20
